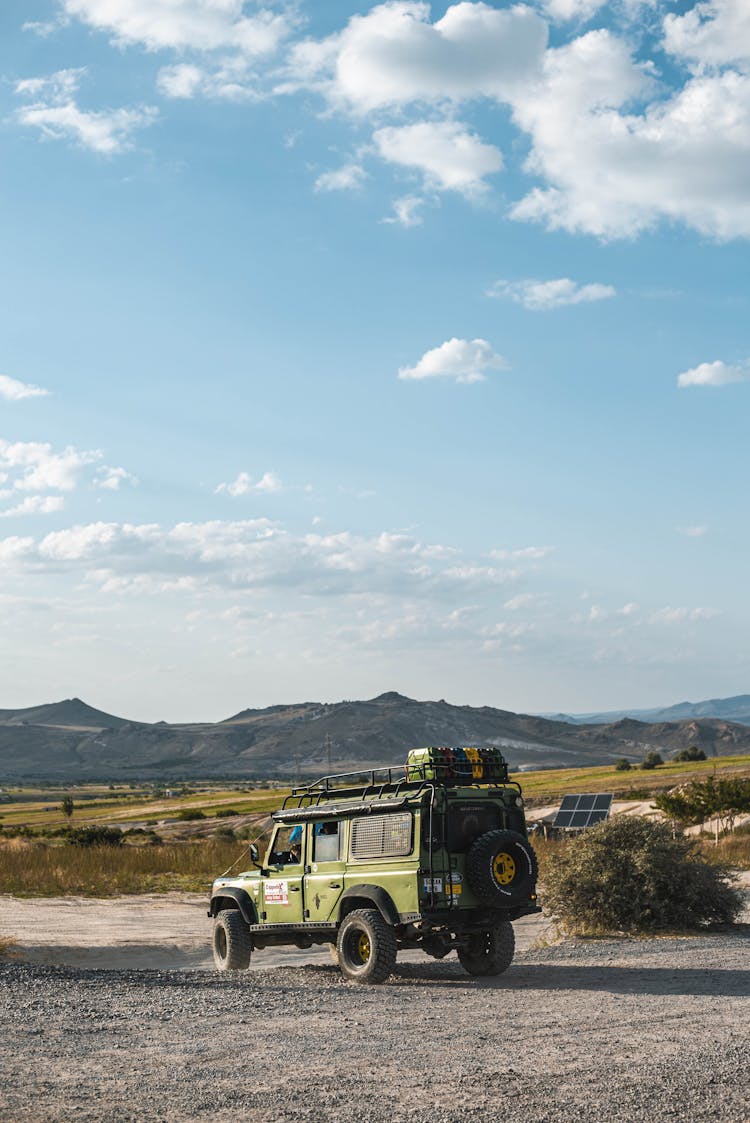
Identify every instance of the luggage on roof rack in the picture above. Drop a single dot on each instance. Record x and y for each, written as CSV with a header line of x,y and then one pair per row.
x,y
457,765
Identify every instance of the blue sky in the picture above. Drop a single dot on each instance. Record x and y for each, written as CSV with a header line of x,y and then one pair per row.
x,y
353,347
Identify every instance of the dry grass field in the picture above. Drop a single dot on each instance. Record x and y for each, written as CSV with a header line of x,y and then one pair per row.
x,y
191,854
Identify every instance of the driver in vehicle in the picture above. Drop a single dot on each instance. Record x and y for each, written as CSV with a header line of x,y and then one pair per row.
x,y
292,856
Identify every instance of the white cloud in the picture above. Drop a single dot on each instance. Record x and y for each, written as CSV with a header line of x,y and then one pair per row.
x,y
523,600
35,505
202,25
614,150
349,177
683,615
111,478
37,467
614,174
450,156
693,531
181,81
45,28
715,33
13,390
55,112
232,80
714,374
541,296
13,550
465,360
255,554
244,485
563,10
406,211
393,55
629,609
524,553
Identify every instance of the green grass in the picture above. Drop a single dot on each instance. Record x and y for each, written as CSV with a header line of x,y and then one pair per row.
x,y
548,785
42,870
139,808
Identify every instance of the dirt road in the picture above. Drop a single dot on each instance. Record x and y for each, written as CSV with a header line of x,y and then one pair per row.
x,y
169,931
597,1032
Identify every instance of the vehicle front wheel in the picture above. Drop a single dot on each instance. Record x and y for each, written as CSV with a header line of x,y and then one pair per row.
x,y
366,947
490,952
232,943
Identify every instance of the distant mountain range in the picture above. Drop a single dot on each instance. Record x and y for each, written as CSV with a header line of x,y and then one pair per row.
x,y
735,709
72,741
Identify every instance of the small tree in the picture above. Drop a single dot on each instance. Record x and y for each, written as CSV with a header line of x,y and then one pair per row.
x,y
692,752
629,874
622,765
722,800
652,760
67,807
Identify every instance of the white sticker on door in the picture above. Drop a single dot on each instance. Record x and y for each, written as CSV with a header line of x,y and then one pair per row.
x,y
277,892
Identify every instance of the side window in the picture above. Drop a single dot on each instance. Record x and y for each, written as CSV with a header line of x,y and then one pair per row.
x,y
287,847
327,842
382,836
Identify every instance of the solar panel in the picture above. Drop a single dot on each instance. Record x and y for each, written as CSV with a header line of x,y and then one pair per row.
x,y
579,811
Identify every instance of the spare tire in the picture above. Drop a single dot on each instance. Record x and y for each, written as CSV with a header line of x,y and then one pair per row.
x,y
501,868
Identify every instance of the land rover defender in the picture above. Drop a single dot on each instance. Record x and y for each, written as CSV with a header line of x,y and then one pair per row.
x,y
433,855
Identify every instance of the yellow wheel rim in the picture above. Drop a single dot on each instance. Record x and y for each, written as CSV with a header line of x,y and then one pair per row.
x,y
503,868
363,947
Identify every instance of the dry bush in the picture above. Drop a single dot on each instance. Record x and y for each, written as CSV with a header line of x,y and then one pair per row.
x,y
8,947
631,875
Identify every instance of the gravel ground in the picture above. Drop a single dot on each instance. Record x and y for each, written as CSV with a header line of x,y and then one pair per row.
x,y
587,1030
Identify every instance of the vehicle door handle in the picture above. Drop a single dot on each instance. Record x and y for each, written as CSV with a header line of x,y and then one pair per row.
x,y
294,888
334,885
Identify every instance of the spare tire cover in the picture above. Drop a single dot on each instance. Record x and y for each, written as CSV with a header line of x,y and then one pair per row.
x,y
501,868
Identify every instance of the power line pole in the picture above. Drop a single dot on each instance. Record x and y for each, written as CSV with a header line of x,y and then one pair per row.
x,y
328,753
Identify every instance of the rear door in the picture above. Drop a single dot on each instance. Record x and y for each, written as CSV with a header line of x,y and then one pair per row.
x,y
324,883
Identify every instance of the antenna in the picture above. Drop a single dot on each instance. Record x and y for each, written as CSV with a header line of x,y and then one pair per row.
x,y
328,753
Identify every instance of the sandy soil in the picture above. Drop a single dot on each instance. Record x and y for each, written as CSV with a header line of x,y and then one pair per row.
x,y
168,931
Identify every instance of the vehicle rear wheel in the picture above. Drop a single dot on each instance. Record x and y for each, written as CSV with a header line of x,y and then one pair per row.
x,y
232,943
501,868
366,947
490,952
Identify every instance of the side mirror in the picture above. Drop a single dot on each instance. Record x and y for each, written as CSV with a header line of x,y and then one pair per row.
x,y
254,854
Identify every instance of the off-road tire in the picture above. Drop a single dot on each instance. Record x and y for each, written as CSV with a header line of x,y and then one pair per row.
x,y
232,942
501,868
366,947
489,953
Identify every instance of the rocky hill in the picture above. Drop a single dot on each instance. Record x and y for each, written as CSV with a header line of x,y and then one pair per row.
x,y
71,741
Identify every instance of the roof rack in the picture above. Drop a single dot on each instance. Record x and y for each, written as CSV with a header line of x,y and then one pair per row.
x,y
390,780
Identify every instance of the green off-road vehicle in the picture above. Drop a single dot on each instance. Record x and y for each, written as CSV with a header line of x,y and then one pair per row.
x,y
432,856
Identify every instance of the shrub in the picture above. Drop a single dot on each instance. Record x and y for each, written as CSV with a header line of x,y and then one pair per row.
x,y
652,760
224,834
225,812
691,753
189,815
622,765
629,874
93,836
